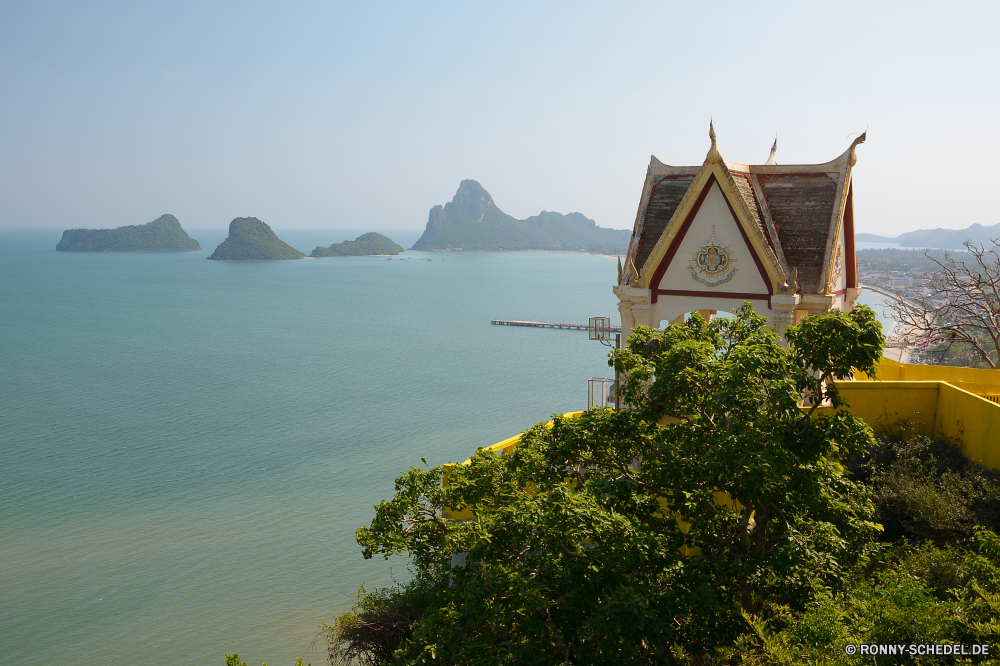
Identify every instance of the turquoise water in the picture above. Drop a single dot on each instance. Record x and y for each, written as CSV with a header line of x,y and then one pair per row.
x,y
880,304
188,446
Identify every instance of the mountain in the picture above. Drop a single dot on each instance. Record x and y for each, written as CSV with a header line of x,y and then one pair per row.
x,y
164,234
252,240
365,245
472,221
944,238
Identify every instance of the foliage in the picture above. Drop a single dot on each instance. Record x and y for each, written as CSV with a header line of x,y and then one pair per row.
x,y
925,489
937,580
252,240
919,595
380,621
364,245
969,317
164,234
472,221
650,535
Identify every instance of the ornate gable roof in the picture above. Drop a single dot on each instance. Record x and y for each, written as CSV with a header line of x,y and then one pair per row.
x,y
796,211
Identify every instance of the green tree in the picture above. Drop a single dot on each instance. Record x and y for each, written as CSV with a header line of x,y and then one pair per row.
x,y
654,534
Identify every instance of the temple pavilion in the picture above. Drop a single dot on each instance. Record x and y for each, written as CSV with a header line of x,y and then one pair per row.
x,y
710,237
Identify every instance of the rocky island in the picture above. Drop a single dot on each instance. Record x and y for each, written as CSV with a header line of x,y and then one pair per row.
x,y
252,240
164,234
472,221
362,246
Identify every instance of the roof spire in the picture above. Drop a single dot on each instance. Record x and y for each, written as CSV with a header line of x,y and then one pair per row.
x,y
860,139
713,152
774,148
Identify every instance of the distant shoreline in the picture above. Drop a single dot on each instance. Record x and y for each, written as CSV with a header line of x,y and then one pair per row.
x,y
599,254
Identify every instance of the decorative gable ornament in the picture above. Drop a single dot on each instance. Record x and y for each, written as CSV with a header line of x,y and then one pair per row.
x,y
713,264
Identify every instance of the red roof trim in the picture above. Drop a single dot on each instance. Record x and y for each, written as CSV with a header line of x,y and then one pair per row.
x,y
717,294
672,250
850,258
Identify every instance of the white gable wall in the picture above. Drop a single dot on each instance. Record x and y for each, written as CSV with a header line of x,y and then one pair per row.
x,y
713,212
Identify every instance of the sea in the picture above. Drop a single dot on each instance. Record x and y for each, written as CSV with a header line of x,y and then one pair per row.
x,y
187,446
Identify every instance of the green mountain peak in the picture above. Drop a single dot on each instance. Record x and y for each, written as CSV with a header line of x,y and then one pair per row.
x,y
252,240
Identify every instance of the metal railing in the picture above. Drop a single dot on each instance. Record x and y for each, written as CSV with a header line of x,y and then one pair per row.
x,y
600,392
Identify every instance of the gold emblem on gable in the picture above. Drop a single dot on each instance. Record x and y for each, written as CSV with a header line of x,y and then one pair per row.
x,y
713,263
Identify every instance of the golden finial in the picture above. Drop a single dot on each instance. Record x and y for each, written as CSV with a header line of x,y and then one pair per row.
x,y
619,270
630,272
774,149
860,139
713,152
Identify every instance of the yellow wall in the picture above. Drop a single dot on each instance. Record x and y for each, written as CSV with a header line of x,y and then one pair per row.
x,y
935,407
883,404
973,421
971,379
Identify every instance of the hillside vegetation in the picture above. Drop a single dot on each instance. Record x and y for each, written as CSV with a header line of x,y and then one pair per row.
x,y
946,238
472,221
252,240
364,245
892,259
164,234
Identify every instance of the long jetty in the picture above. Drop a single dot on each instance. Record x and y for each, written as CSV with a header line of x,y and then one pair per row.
x,y
542,324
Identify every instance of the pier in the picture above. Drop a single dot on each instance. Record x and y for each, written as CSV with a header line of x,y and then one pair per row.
x,y
542,324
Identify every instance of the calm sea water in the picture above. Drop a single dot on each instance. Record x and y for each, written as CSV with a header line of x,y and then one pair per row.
x,y
188,445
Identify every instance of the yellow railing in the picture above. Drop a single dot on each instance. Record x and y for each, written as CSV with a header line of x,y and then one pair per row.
x,y
959,403
974,380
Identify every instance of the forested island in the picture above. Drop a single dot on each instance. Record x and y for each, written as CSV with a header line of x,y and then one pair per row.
x,y
362,246
164,234
252,240
472,221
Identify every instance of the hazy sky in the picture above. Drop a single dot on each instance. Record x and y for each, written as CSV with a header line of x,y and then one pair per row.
x,y
364,115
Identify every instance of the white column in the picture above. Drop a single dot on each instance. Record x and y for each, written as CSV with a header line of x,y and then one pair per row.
x,y
783,310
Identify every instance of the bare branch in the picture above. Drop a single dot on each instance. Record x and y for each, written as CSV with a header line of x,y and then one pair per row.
x,y
965,310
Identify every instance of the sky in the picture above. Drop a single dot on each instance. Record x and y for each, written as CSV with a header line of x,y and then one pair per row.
x,y
365,115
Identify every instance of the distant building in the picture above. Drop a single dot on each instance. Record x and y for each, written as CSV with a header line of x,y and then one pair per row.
x,y
900,281
710,237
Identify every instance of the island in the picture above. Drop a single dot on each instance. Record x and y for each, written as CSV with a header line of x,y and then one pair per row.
x,y
472,221
363,246
252,240
164,234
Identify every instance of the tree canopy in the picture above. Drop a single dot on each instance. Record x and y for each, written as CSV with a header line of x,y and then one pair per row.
x,y
653,534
